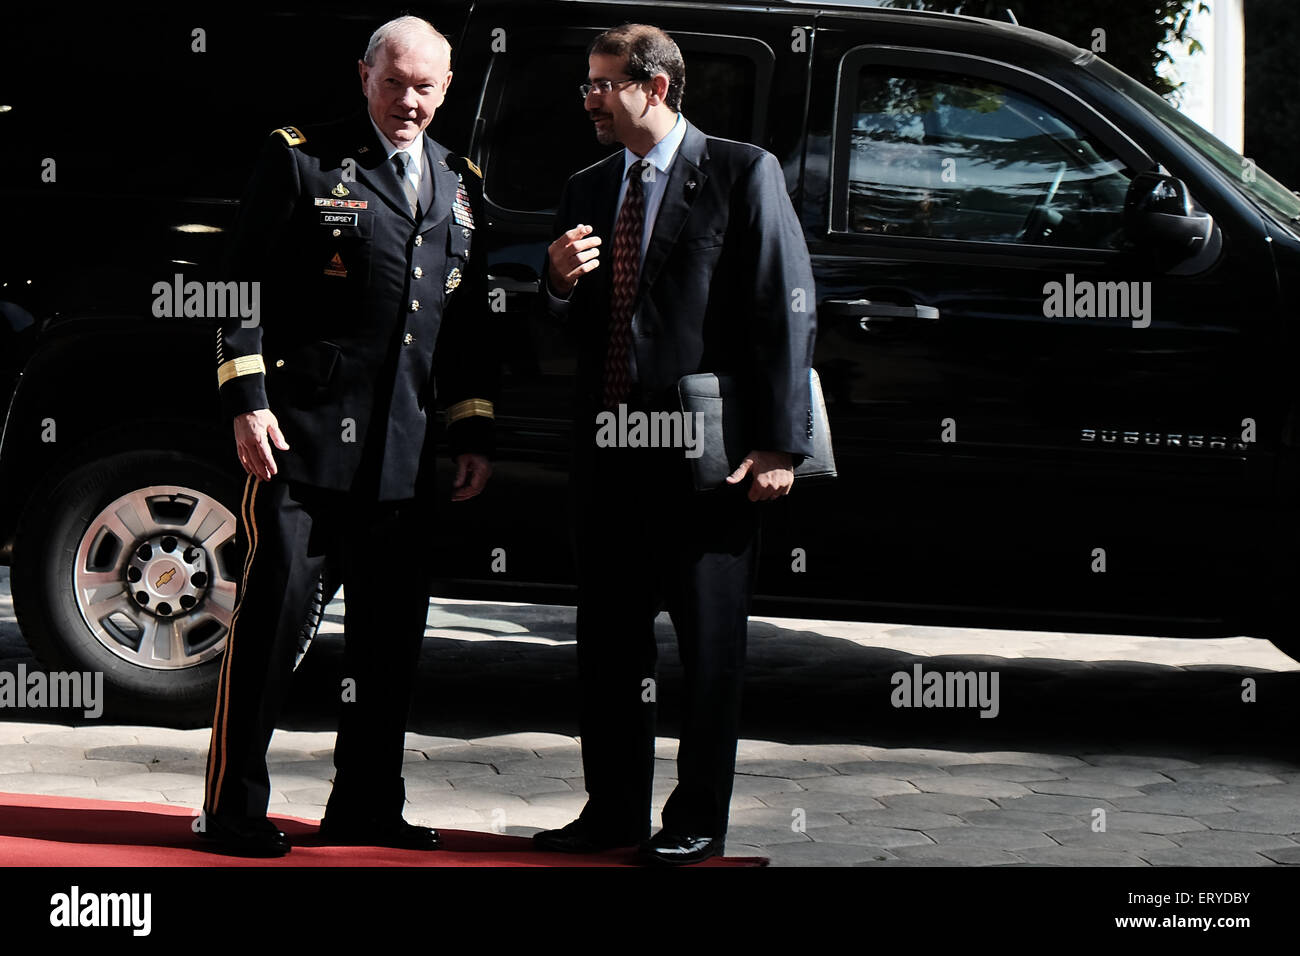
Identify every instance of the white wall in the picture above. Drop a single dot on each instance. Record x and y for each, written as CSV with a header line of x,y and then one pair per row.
x,y
1215,94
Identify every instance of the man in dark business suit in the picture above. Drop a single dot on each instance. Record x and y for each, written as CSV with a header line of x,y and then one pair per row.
x,y
361,234
679,254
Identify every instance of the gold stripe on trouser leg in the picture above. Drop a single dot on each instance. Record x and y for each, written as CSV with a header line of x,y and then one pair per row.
x,y
217,747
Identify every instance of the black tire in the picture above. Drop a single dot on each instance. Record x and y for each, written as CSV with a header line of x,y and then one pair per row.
x,y
71,551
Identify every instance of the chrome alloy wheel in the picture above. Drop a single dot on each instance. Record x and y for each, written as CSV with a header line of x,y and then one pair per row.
x,y
154,577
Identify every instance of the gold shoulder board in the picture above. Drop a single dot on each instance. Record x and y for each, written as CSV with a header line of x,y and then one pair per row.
x,y
292,135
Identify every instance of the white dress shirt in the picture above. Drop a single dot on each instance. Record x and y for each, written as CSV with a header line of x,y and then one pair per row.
x,y
661,155
652,190
417,169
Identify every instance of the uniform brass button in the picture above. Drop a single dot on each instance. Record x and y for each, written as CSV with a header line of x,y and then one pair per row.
x,y
408,338
465,233
338,232
415,305
419,240
279,363
417,272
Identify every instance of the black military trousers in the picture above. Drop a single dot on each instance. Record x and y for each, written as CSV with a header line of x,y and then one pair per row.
x,y
645,540
290,532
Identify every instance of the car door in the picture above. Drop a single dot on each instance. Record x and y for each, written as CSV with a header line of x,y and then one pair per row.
x,y
1007,442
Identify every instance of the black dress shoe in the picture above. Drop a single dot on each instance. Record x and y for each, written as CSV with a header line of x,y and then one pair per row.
x,y
676,849
579,837
376,831
244,836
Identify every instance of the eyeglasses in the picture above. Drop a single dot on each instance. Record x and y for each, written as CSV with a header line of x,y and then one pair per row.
x,y
603,86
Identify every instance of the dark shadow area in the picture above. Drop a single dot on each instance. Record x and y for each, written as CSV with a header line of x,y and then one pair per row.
x,y
134,827
804,687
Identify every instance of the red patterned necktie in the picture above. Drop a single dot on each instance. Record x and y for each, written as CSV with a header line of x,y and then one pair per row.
x,y
627,270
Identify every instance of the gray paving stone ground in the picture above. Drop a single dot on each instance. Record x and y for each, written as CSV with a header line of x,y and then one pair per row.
x,y
1152,731
906,819
1288,856
1132,840
950,855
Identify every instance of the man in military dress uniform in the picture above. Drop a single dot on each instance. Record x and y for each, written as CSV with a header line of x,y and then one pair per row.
x,y
373,289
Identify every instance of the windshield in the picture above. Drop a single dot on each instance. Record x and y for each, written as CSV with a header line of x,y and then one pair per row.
x,y
1258,184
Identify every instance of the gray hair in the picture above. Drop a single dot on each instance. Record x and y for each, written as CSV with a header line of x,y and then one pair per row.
x,y
402,32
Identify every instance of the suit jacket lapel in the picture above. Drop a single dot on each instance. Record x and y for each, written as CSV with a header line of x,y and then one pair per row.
x,y
686,178
604,201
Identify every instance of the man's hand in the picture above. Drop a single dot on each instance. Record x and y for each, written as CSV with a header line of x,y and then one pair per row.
x,y
252,429
773,474
472,473
572,256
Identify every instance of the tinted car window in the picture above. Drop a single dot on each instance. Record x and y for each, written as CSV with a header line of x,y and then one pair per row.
x,y
946,156
541,134
1239,170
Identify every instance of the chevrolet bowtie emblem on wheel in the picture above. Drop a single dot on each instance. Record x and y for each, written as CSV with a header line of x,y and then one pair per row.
x,y
340,190
453,279
165,577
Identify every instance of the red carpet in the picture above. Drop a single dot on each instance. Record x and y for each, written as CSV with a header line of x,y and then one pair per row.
x,y
38,830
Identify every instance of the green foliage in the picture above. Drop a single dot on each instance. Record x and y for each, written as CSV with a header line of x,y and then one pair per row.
x,y
1135,32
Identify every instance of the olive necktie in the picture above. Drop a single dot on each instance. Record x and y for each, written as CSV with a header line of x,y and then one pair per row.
x,y
400,160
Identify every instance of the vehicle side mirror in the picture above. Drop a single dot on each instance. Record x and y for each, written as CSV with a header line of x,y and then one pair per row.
x,y
1158,213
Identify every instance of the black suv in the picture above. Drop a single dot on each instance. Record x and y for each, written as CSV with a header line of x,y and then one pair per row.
x,y
1056,319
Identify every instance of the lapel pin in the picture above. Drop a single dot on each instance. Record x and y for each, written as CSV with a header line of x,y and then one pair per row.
x,y
690,185
363,149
